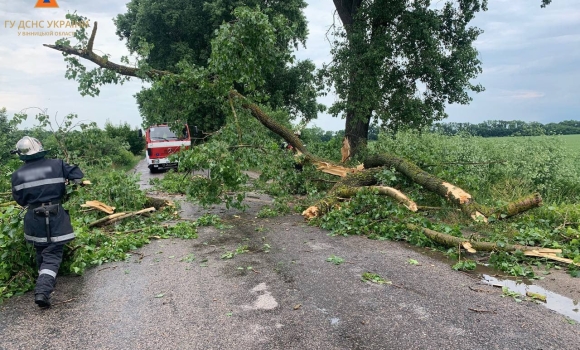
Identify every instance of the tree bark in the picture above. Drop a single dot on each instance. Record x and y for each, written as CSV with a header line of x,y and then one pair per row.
x,y
158,203
452,241
356,125
455,194
346,10
356,130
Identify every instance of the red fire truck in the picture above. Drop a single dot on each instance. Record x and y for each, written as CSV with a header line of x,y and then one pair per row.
x,y
161,143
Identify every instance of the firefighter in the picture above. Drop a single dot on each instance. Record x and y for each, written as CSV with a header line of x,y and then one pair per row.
x,y
39,184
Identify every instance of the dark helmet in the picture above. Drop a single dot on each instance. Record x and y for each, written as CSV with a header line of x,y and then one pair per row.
x,y
29,148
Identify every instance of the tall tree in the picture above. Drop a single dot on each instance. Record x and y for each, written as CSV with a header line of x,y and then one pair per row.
x,y
399,62
175,35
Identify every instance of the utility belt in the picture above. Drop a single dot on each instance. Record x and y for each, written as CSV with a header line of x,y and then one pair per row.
x,y
42,209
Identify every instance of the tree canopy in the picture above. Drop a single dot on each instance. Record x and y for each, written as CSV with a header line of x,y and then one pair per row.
x,y
176,36
399,63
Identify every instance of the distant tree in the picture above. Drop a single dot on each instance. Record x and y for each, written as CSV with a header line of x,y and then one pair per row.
x,y
124,133
9,134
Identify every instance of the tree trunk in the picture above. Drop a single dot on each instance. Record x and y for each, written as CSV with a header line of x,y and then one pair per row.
x,y
455,194
346,10
357,131
356,125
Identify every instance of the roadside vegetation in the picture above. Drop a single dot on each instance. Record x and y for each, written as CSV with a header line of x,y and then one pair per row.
x,y
495,171
104,155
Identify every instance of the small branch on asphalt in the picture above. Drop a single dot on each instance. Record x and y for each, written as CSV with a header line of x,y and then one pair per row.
x,y
481,311
480,290
64,302
137,253
110,267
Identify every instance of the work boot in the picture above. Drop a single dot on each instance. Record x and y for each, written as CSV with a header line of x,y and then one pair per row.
x,y
42,300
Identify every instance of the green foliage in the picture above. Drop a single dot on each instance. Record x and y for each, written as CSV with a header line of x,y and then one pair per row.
x,y
116,188
247,42
82,143
224,179
336,260
506,292
495,173
125,134
465,265
403,61
189,258
280,207
217,170
413,262
16,257
502,128
512,166
209,220
9,135
374,278
242,249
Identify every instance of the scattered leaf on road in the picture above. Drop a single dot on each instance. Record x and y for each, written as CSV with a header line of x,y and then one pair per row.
x,y
536,296
413,262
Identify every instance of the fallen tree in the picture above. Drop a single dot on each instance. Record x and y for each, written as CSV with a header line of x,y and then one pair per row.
x,y
353,179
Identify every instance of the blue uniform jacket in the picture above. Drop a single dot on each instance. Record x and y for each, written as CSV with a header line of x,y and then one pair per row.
x,y
41,181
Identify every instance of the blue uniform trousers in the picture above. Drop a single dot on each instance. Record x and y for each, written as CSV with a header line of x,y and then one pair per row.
x,y
48,259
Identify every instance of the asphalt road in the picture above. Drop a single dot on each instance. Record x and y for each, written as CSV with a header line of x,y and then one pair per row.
x,y
280,294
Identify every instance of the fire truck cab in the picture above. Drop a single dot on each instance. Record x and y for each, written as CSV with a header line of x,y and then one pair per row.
x,y
161,143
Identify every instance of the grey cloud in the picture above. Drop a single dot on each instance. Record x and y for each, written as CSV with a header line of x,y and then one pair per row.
x,y
530,59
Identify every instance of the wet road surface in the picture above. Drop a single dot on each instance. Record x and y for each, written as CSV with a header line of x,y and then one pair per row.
x,y
281,294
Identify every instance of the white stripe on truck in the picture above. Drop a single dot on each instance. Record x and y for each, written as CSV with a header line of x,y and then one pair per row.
x,y
168,144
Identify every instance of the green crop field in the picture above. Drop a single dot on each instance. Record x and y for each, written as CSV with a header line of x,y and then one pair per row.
x,y
572,141
566,147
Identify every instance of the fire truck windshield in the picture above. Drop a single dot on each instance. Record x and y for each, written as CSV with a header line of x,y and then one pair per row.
x,y
162,133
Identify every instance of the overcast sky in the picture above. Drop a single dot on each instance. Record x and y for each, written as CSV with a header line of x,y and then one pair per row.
x,y
530,60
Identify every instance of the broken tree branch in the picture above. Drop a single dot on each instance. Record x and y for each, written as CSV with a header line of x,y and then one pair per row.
x,y
99,206
104,62
352,180
119,216
105,219
455,194
92,39
128,215
348,192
